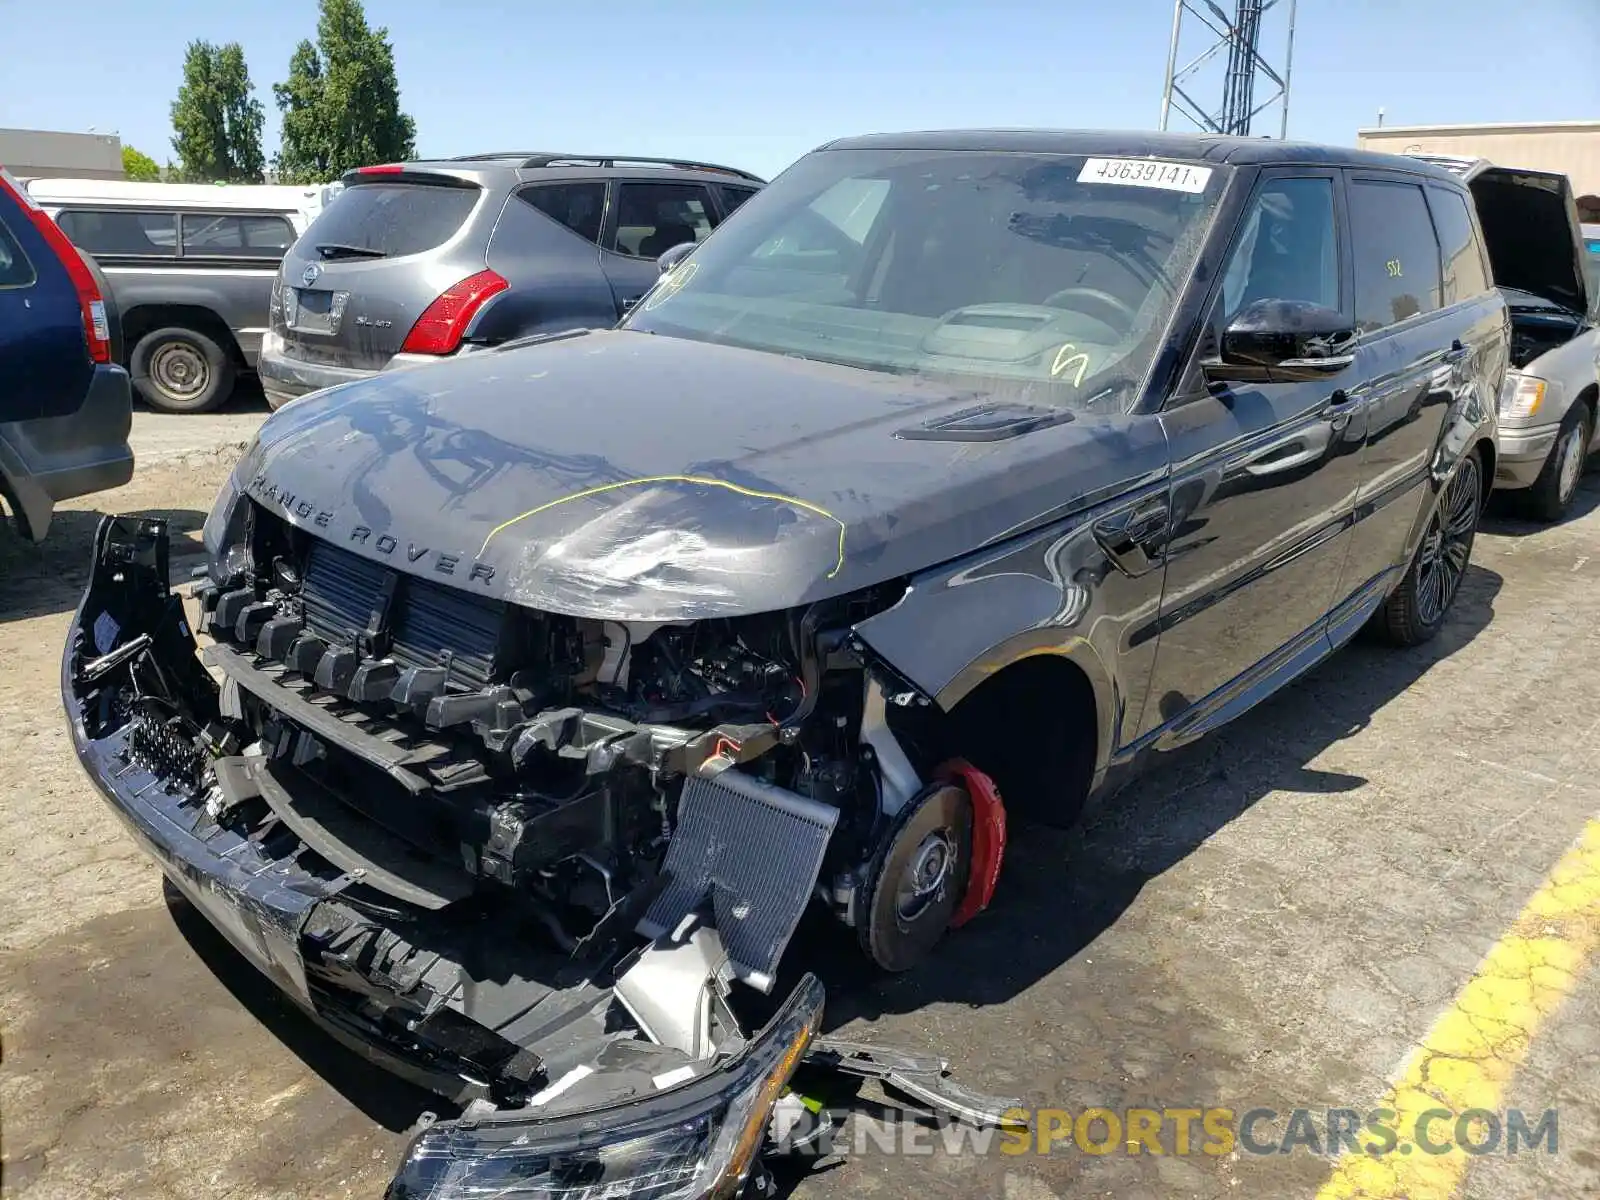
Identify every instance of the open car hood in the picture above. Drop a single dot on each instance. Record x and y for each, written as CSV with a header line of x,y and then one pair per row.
x,y
1530,223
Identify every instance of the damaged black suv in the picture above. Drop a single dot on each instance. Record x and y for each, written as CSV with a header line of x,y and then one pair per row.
x,y
548,687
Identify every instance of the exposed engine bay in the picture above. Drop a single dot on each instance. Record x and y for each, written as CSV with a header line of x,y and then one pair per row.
x,y
1535,331
541,862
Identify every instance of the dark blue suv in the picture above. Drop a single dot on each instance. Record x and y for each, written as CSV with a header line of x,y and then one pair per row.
x,y
65,404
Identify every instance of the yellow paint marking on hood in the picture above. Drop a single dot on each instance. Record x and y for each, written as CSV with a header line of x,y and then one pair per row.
x,y
702,480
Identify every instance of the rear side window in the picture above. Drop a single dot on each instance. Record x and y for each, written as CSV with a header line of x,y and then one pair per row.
x,y
393,219
113,231
1465,272
732,197
15,269
578,206
237,235
652,218
1396,253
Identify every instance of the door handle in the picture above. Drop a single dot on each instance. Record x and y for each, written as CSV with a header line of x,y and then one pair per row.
x,y
1132,538
1341,407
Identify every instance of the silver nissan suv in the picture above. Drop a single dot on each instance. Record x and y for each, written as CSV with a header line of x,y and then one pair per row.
x,y
419,261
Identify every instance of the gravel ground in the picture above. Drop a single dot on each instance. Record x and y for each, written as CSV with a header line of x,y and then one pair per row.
x,y
1273,918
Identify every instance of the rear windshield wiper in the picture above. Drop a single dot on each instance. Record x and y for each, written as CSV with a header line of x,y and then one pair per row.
x,y
338,250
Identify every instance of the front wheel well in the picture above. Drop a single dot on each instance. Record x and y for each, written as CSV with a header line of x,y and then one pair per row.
x,y
1590,396
146,318
1032,727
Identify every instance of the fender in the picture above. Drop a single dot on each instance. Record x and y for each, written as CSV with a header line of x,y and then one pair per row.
x,y
1052,592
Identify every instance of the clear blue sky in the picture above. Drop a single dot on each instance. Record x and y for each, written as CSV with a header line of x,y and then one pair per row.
x,y
757,83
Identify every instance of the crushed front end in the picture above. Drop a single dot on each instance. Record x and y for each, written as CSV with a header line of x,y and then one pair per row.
x,y
541,865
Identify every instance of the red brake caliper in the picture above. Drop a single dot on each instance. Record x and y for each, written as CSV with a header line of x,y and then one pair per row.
x,y
988,836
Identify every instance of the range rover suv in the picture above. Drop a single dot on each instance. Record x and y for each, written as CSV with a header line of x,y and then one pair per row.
x,y
952,477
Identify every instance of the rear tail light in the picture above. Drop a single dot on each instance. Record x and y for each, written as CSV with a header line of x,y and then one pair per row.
x,y
443,323
96,328
381,169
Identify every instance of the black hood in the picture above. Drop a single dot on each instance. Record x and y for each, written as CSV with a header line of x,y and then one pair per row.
x,y
638,477
1530,223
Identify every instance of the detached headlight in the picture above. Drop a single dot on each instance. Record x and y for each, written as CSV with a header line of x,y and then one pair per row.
x,y
226,536
1521,397
697,1143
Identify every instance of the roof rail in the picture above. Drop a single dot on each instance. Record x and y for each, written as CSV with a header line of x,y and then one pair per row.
x,y
491,155
612,160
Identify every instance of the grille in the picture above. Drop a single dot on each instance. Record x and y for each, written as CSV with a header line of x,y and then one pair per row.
x,y
430,625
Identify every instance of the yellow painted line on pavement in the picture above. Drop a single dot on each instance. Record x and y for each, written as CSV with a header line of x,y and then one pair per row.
x,y
1476,1045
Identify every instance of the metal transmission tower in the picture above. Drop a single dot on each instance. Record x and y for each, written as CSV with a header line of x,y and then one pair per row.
x,y
1245,67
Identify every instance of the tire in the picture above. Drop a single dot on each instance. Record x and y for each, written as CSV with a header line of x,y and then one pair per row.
x,y
180,370
1551,494
910,899
1418,607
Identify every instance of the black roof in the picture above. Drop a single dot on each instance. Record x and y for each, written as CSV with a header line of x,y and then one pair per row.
x,y
1237,151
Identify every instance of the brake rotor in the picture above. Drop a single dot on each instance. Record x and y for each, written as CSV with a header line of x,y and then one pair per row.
x,y
919,878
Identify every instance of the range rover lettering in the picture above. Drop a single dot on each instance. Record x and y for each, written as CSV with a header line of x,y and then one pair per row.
x,y
950,478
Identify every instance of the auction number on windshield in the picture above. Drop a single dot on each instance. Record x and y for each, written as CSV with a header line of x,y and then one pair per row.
x,y
1145,172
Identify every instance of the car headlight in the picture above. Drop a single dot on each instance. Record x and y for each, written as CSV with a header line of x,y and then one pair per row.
x,y
226,534
696,1143
1521,396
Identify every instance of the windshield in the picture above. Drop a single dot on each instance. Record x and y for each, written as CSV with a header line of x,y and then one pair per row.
x,y
1050,278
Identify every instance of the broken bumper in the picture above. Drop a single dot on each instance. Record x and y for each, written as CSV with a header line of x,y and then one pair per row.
x,y
697,1134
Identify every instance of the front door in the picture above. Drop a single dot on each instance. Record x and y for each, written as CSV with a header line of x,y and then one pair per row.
x,y
1264,475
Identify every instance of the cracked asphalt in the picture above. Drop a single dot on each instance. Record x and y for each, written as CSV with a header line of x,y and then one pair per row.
x,y
1292,914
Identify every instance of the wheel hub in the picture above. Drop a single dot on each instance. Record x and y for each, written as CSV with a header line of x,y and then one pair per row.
x,y
925,874
179,370
1571,451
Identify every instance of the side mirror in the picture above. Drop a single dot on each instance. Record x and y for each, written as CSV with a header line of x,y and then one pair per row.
x,y
1283,340
674,256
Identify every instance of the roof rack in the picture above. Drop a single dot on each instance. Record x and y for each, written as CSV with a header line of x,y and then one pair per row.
x,y
611,160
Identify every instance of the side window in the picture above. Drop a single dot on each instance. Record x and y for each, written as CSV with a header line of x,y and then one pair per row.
x,y
113,231
578,206
236,235
1288,249
15,269
733,197
1397,253
652,218
1465,275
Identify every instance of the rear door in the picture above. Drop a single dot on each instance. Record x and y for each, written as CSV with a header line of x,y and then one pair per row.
x,y
1416,350
373,260
44,360
646,219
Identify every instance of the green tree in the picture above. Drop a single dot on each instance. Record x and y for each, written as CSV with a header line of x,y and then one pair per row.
x,y
341,101
216,119
140,168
